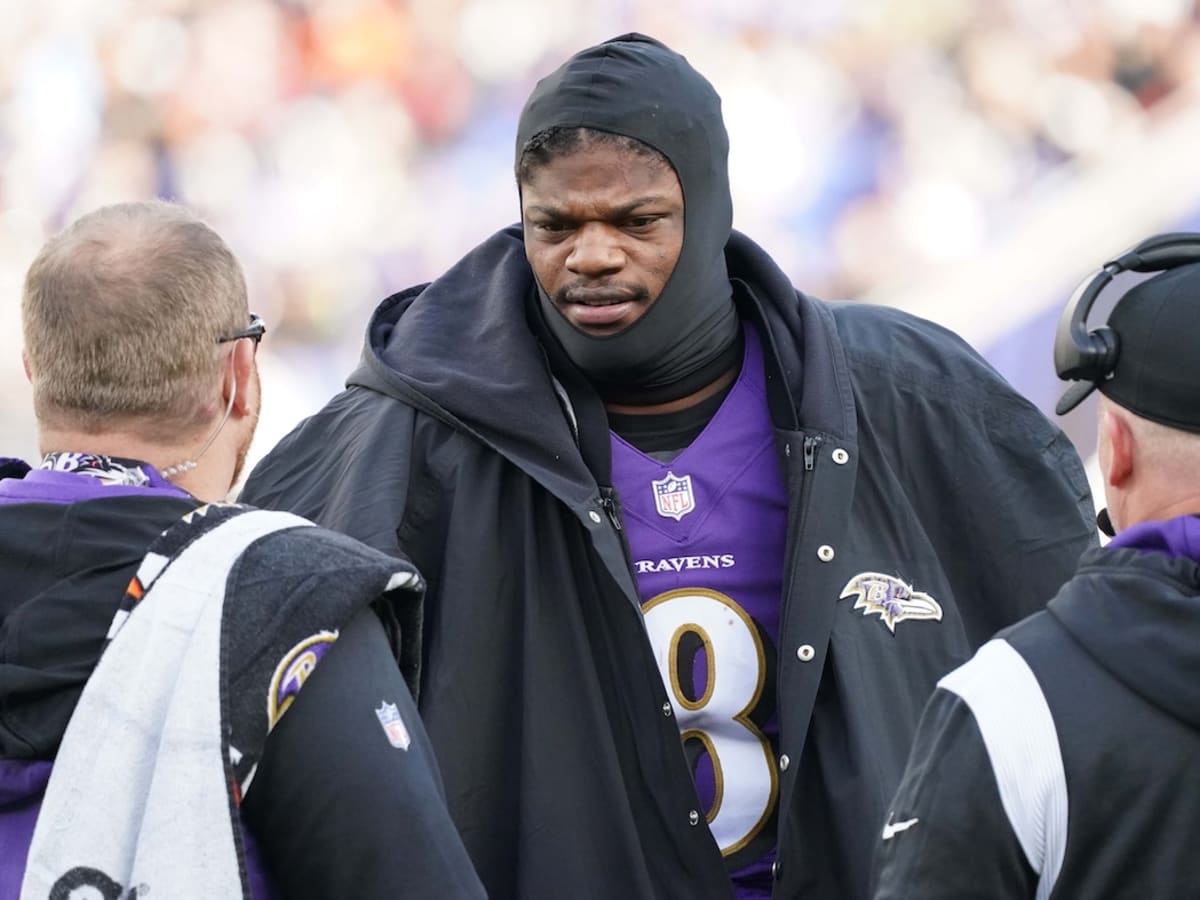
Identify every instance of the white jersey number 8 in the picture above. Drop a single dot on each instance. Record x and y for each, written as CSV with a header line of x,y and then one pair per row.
x,y
742,759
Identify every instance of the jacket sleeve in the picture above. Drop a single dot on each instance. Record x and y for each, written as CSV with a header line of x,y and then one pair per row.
x,y
346,468
1033,516
996,485
947,836
340,807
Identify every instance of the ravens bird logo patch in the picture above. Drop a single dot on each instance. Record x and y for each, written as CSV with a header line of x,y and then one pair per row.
x,y
890,598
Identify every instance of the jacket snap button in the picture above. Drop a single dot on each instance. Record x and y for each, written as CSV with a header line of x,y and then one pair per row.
x,y
784,762
806,652
667,709
824,553
776,868
840,456
594,516
694,817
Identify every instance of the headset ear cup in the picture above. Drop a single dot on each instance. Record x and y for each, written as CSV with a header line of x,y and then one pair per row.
x,y
1104,349
1085,356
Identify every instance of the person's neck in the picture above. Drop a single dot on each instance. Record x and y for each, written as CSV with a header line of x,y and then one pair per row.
x,y
210,481
699,396
1152,496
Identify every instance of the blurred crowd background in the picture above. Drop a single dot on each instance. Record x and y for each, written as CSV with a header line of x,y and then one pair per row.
x,y
967,159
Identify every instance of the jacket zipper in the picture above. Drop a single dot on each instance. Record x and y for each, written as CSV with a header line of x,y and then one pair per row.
x,y
810,445
609,501
810,452
801,518
612,506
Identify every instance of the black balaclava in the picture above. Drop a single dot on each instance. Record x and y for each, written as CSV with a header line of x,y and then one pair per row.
x,y
635,86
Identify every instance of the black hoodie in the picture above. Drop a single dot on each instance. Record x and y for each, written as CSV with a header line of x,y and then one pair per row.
x,y
1116,663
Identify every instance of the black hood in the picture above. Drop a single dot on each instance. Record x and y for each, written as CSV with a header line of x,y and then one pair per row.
x,y
66,570
463,350
636,87
1138,614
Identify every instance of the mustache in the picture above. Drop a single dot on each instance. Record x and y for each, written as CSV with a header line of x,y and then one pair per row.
x,y
600,294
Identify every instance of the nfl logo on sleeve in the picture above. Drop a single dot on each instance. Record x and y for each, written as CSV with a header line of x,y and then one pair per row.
x,y
673,496
393,726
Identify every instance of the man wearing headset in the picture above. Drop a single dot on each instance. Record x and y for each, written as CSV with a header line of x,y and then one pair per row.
x,y
1061,760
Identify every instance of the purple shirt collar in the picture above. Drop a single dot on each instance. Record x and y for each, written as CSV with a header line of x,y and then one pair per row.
x,y
50,486
1178,537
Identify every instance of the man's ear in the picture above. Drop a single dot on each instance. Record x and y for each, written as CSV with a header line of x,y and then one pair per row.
x,y
239,378
25,363
1116,431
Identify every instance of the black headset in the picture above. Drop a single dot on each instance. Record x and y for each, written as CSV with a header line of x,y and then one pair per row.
x,y
1083,355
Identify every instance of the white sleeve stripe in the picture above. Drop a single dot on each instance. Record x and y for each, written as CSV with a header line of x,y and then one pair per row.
x,y
1022,743
115,626
401,580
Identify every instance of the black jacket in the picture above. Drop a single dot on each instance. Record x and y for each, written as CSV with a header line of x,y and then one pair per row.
x,y
334,809
903,454
1107,806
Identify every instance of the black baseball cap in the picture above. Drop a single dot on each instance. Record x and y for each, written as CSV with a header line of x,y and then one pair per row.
x,y
1157,374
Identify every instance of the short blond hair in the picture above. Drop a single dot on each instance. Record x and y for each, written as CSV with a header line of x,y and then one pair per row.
x,y
121,312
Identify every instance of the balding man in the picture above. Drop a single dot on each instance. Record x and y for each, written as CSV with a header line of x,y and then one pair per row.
x,y
154,642
1061,761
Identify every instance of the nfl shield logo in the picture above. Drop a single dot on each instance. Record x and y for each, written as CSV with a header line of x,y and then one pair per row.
x,y
393,725
673,496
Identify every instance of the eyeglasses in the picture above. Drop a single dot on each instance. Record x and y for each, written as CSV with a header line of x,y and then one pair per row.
x,y
255,331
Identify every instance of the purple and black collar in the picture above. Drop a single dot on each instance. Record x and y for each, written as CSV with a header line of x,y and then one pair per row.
x,y
65,477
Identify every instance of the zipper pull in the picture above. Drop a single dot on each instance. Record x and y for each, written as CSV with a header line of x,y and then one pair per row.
x,y
810,452
609,502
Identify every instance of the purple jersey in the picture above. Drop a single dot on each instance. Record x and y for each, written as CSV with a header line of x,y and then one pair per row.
x,y
707,533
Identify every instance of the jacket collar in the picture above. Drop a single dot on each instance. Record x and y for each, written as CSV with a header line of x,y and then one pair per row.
x,y
462,349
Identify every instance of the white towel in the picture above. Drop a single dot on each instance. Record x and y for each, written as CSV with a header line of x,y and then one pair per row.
x,y
141,795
